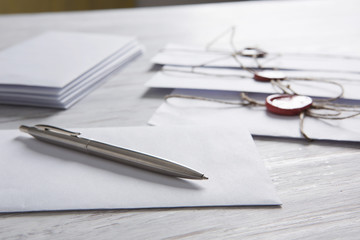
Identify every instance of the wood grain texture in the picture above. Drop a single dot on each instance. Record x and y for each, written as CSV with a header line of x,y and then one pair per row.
x,y
318,182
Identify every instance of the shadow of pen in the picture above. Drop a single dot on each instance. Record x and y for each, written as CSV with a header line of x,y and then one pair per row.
x,y
65,154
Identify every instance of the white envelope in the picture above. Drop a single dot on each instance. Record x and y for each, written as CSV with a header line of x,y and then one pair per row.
x,y
241,80
181,111
334,61
54,59
39,176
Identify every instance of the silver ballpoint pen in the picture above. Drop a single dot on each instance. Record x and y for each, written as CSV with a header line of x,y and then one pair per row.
x,y
72,140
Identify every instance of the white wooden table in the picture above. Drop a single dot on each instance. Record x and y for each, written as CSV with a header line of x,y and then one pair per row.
x,y
318,182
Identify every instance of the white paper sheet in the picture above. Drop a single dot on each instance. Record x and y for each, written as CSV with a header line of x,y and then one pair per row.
x,y
241,80
180,111
38,176
334,61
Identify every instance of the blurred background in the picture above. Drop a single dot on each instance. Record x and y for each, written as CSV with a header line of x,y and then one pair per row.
x,y
30,6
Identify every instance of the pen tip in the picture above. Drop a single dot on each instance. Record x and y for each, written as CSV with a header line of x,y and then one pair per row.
x,y
204,177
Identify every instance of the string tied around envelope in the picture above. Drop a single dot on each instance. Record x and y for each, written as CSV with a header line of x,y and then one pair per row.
x,y
246,100
278,81
257,53
307,107
277,78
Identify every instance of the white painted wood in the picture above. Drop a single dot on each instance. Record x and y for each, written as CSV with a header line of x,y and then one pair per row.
x,y
318,182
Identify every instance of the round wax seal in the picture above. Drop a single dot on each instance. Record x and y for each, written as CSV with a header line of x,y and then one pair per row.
x,y
285,104
252,52
267,76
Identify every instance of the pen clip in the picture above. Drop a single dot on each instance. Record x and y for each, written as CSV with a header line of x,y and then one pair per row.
x,y
56,130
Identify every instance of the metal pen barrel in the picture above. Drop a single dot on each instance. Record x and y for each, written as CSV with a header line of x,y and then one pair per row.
x,y
142,160
118,154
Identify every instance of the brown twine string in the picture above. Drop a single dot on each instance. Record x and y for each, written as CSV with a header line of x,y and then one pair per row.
x,y
288,89
323,104
233,30
337,110
193,70
235,53
301,124
285,88
217,38
248,101
277,83
212,60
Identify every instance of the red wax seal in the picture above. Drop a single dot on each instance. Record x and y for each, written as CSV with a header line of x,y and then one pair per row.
x,y
285,104
267,76
253,52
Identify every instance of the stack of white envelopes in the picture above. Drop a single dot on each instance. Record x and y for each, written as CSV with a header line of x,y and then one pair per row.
x,y
57,69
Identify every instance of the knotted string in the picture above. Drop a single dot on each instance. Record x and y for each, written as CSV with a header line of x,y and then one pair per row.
x,y
285,88
337,109
235,53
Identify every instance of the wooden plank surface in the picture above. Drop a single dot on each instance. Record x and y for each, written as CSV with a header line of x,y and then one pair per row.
x,y
29,6
318,182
